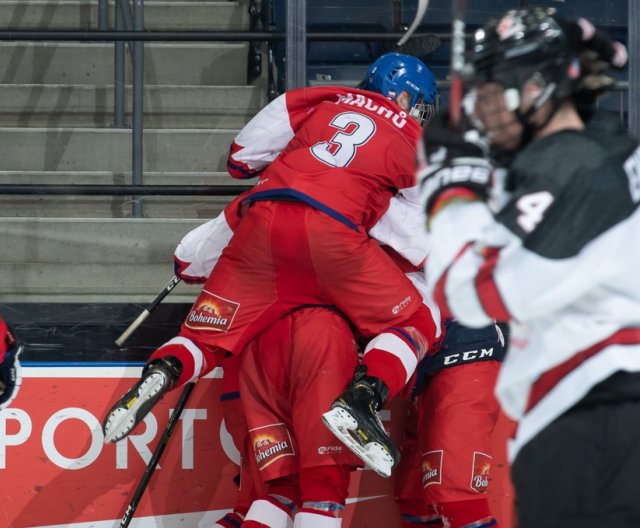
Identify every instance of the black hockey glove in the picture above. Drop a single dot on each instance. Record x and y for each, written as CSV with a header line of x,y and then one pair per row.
x,y
598,55
452,160
9,364
584,36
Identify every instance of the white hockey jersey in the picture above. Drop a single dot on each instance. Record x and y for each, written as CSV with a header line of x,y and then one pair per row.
x,y
560,262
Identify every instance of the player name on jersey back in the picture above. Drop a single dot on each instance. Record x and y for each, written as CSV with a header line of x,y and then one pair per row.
x,y
399,119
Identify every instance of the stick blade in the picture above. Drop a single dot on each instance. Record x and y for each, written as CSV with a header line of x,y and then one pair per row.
x,y
420,46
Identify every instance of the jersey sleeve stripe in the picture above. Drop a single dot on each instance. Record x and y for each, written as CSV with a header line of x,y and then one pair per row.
x,y
548,380
240,172
236,168
487,289
439,293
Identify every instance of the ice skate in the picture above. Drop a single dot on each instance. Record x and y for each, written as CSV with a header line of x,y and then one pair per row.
x,y
158,377
354,419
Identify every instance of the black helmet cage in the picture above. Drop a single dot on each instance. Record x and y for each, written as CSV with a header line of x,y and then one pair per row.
x,y
521,45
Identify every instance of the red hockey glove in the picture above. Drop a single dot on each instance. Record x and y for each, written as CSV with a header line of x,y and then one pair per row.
x,y
454,165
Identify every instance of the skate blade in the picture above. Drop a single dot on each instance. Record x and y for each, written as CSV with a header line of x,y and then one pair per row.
x,y
373,454
122,419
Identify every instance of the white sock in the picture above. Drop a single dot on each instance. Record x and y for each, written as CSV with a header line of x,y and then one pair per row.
x,y
265,512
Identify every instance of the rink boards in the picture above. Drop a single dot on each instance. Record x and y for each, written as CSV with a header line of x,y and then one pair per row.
x,y
57,472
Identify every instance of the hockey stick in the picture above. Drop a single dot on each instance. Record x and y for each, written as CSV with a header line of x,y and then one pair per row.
x,y
457,62
157,453
420,11
145,313
419,46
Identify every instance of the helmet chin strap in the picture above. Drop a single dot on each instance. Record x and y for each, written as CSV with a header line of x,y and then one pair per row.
x,y
512,102
528,128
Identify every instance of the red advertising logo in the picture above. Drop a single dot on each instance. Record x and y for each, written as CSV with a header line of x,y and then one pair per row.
x,y
480,476
270,443
211,312
432,468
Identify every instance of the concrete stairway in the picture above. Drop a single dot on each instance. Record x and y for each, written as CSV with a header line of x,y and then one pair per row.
x,y
89,260
90,105
56,113
82,14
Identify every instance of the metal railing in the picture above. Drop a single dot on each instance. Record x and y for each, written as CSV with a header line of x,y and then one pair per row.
x,y
135,38
122,190
129,28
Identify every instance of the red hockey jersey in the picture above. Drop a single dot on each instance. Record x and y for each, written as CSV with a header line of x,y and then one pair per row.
x,y
342,150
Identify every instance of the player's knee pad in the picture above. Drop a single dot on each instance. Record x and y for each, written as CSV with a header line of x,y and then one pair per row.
x,y
467,514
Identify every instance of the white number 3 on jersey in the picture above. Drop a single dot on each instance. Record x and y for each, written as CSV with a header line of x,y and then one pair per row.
x,y
532,208
354,130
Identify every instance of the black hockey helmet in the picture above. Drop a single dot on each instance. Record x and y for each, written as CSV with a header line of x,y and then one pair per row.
x,y
520,45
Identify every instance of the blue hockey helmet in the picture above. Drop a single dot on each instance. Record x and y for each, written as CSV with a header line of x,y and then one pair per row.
x,y
394,73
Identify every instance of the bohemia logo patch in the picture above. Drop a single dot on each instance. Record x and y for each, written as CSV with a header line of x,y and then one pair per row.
x,y
270,443
211,312
432,468
480,476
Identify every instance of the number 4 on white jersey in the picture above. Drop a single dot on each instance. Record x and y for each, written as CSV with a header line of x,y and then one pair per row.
x,y
532,208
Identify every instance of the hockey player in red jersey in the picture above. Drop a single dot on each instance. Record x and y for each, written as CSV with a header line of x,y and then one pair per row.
x,y
551,253
302,468
249,488
329,160
289,376
10,377
445,471
307,478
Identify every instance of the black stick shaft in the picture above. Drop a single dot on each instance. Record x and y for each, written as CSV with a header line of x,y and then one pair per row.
x,y
147,311
166,290
155,458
